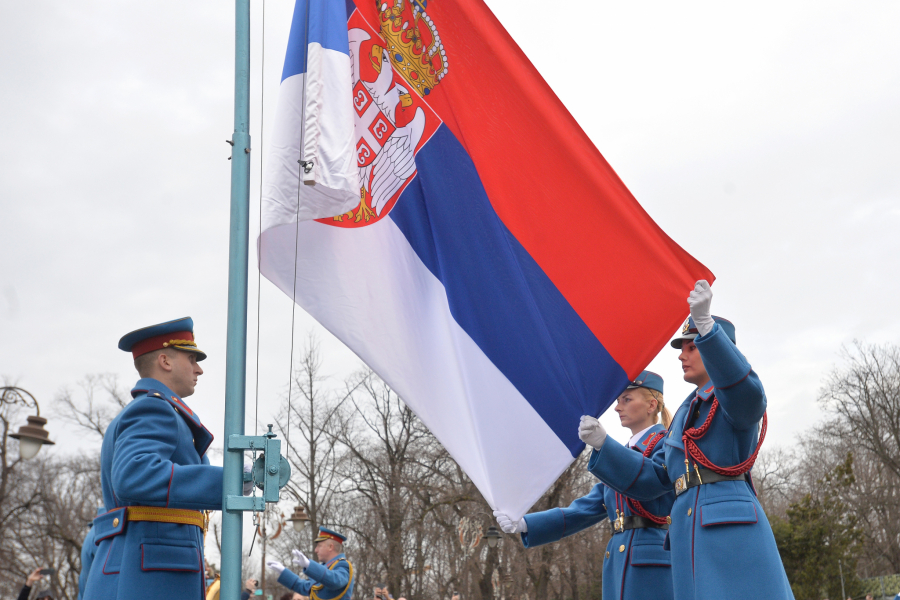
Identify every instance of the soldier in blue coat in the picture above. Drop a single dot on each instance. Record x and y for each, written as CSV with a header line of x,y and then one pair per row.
x,y
156,477
636,566
330,580
721,541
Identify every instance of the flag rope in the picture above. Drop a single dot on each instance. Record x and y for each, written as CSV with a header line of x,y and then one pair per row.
x,y
302,167
262,116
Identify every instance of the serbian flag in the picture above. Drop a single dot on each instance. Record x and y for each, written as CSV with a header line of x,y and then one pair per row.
x,y
486,266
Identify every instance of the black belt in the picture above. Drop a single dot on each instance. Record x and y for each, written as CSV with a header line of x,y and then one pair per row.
x,y
701,477
635,522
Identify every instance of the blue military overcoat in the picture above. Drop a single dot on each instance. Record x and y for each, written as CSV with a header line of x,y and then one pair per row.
x,y
153,454
721,541
636,565
88,551
335,577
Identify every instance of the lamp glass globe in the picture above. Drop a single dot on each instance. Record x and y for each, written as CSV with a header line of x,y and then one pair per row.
x,y
298,525
28,448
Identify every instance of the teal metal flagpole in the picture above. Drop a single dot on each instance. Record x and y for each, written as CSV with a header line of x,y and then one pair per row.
x,y
236,349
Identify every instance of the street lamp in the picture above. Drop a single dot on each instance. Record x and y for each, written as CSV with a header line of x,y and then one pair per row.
x,y
33,435
298,519
492,536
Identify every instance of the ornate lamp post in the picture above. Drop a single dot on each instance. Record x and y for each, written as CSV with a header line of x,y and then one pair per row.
x,y
298,519
33,435
492,536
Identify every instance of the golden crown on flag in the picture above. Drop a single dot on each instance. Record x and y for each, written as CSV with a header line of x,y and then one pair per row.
x,y
412,42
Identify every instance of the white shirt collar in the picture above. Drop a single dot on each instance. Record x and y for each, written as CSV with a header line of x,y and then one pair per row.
x,y
637,437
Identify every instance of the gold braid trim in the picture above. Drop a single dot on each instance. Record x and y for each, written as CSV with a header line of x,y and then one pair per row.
x,y
179,343
314,596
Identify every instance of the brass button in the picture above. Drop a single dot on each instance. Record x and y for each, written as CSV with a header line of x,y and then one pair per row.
x,y
669,520
622,548
690,511
607,554
116,522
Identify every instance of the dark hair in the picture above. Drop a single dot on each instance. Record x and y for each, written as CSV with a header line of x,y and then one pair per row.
x,y
287,596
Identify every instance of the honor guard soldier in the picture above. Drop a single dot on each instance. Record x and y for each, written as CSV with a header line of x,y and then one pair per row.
x,y
331,580
156,477
721,541
636,565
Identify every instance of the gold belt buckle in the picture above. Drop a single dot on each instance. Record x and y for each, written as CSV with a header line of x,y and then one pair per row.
x,y
680,485
619,525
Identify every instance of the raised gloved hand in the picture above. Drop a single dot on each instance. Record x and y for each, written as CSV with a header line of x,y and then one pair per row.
x,y
508,525
248,485
591,432
300,559
275,566
700,301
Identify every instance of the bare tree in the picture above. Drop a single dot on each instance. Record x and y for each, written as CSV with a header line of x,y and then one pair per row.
x,y
310,423
96,404
61,497
383,441
864,395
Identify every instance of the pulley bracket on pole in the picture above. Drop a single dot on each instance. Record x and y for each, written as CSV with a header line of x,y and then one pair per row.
x,y
270,472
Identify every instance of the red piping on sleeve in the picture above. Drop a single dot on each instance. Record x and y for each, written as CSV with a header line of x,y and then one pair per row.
x,y
169,489
738,381
636,476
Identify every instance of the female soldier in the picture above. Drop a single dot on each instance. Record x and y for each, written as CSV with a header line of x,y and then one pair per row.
x,y
722,544
636,566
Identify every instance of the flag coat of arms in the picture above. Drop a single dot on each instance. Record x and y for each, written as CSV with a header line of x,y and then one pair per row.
x,y
444,216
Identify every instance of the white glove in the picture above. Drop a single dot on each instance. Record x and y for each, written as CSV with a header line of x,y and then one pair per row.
x,y
591,432
507,524
275,566
248,485
300,559
699,301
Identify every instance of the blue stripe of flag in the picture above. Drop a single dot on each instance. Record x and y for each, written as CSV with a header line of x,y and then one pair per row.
x,y
500,296
316,21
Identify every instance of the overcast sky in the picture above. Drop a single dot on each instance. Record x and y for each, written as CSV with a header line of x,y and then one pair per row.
x,y
764,138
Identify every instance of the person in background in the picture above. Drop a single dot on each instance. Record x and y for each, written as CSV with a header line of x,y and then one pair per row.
x,y
29,583
213,582
249,588
636,564
331,580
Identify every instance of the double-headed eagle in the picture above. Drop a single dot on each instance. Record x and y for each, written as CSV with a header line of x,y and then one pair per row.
x,y
395,162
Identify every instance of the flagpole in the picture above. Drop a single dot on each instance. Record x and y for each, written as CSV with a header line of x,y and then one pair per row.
x,y
236,348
